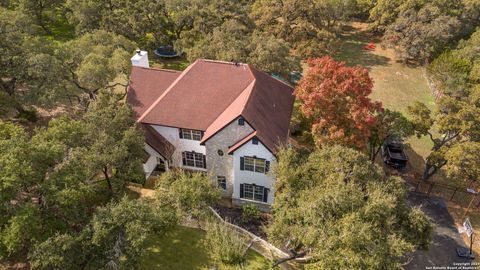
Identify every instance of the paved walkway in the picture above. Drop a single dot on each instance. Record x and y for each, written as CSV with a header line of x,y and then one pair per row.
x,y
446,239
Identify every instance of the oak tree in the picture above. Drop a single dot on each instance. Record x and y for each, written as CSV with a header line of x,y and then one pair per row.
x,y
335,98
337,210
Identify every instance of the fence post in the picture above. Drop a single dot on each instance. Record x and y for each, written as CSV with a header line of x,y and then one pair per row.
x,y
430,189
453,193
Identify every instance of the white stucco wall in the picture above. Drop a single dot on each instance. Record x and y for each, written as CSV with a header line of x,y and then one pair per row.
x,y
151,163
249,177
181,145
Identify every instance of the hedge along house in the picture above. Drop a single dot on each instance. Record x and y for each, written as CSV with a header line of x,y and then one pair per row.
x,y
226,119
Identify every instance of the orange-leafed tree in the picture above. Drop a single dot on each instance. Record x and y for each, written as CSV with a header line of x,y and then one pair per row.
x,y
335,98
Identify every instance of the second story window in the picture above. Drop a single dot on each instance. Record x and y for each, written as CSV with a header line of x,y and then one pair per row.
x,y
190,134
193,159
254,164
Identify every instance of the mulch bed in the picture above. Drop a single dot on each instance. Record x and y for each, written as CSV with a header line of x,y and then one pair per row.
x,y
234,216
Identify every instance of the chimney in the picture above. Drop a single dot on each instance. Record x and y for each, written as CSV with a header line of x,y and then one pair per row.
x,y
140,59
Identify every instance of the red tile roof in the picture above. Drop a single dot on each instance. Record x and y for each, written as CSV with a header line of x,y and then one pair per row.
x,y
210,94
146,85
158,142
238,144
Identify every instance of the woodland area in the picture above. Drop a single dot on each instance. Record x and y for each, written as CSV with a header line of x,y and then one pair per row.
x,y
69,142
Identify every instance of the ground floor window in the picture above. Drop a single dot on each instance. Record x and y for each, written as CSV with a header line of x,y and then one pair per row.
x,y
254,192
193,159
222,182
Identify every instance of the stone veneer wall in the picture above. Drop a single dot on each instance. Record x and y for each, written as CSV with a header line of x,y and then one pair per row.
x,y
223,165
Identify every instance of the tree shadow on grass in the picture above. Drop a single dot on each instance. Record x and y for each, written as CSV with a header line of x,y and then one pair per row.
x,y
352,52
415,163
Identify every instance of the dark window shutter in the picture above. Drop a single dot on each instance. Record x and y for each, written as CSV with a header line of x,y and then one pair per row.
x,y
204,161
180,134
241,121
242,163
241,190
201,135
184,159
265,194
267,166
254,140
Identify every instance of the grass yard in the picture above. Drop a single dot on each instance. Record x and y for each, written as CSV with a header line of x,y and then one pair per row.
x,y
395,84
182,249
178,63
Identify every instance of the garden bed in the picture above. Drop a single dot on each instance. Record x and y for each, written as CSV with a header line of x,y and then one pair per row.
x,y
256,226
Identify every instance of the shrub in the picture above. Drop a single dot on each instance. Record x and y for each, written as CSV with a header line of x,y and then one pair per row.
x,y
250,212
225,244
30,116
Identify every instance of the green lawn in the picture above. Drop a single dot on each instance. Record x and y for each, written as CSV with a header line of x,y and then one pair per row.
x,y
179,63
396,85
182,249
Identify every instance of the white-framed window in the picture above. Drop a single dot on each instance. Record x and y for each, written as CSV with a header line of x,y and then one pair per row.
x,y
222,182
190,134
253,192
193,159
254,164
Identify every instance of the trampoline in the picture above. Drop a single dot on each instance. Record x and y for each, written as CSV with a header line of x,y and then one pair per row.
x,y
167,51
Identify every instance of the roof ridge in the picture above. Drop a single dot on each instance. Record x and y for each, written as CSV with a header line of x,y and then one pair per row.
x,y
233,101
154,104
158,69
251,91
224,62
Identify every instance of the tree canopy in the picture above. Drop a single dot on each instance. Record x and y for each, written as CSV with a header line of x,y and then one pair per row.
x,y
336,98
190,192
457,82
419,30
49,182
114,239
339,211
310,26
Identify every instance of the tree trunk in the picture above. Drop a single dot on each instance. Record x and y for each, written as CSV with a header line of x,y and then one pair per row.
x,y
374,150
430,169
8,86
107,178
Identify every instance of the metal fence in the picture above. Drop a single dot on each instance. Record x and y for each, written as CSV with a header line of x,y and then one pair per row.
x,y
457,195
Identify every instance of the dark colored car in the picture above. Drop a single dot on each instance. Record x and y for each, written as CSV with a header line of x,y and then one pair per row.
x,y
394,156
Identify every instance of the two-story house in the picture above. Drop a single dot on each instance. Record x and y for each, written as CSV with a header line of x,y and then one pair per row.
x,y
225,119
